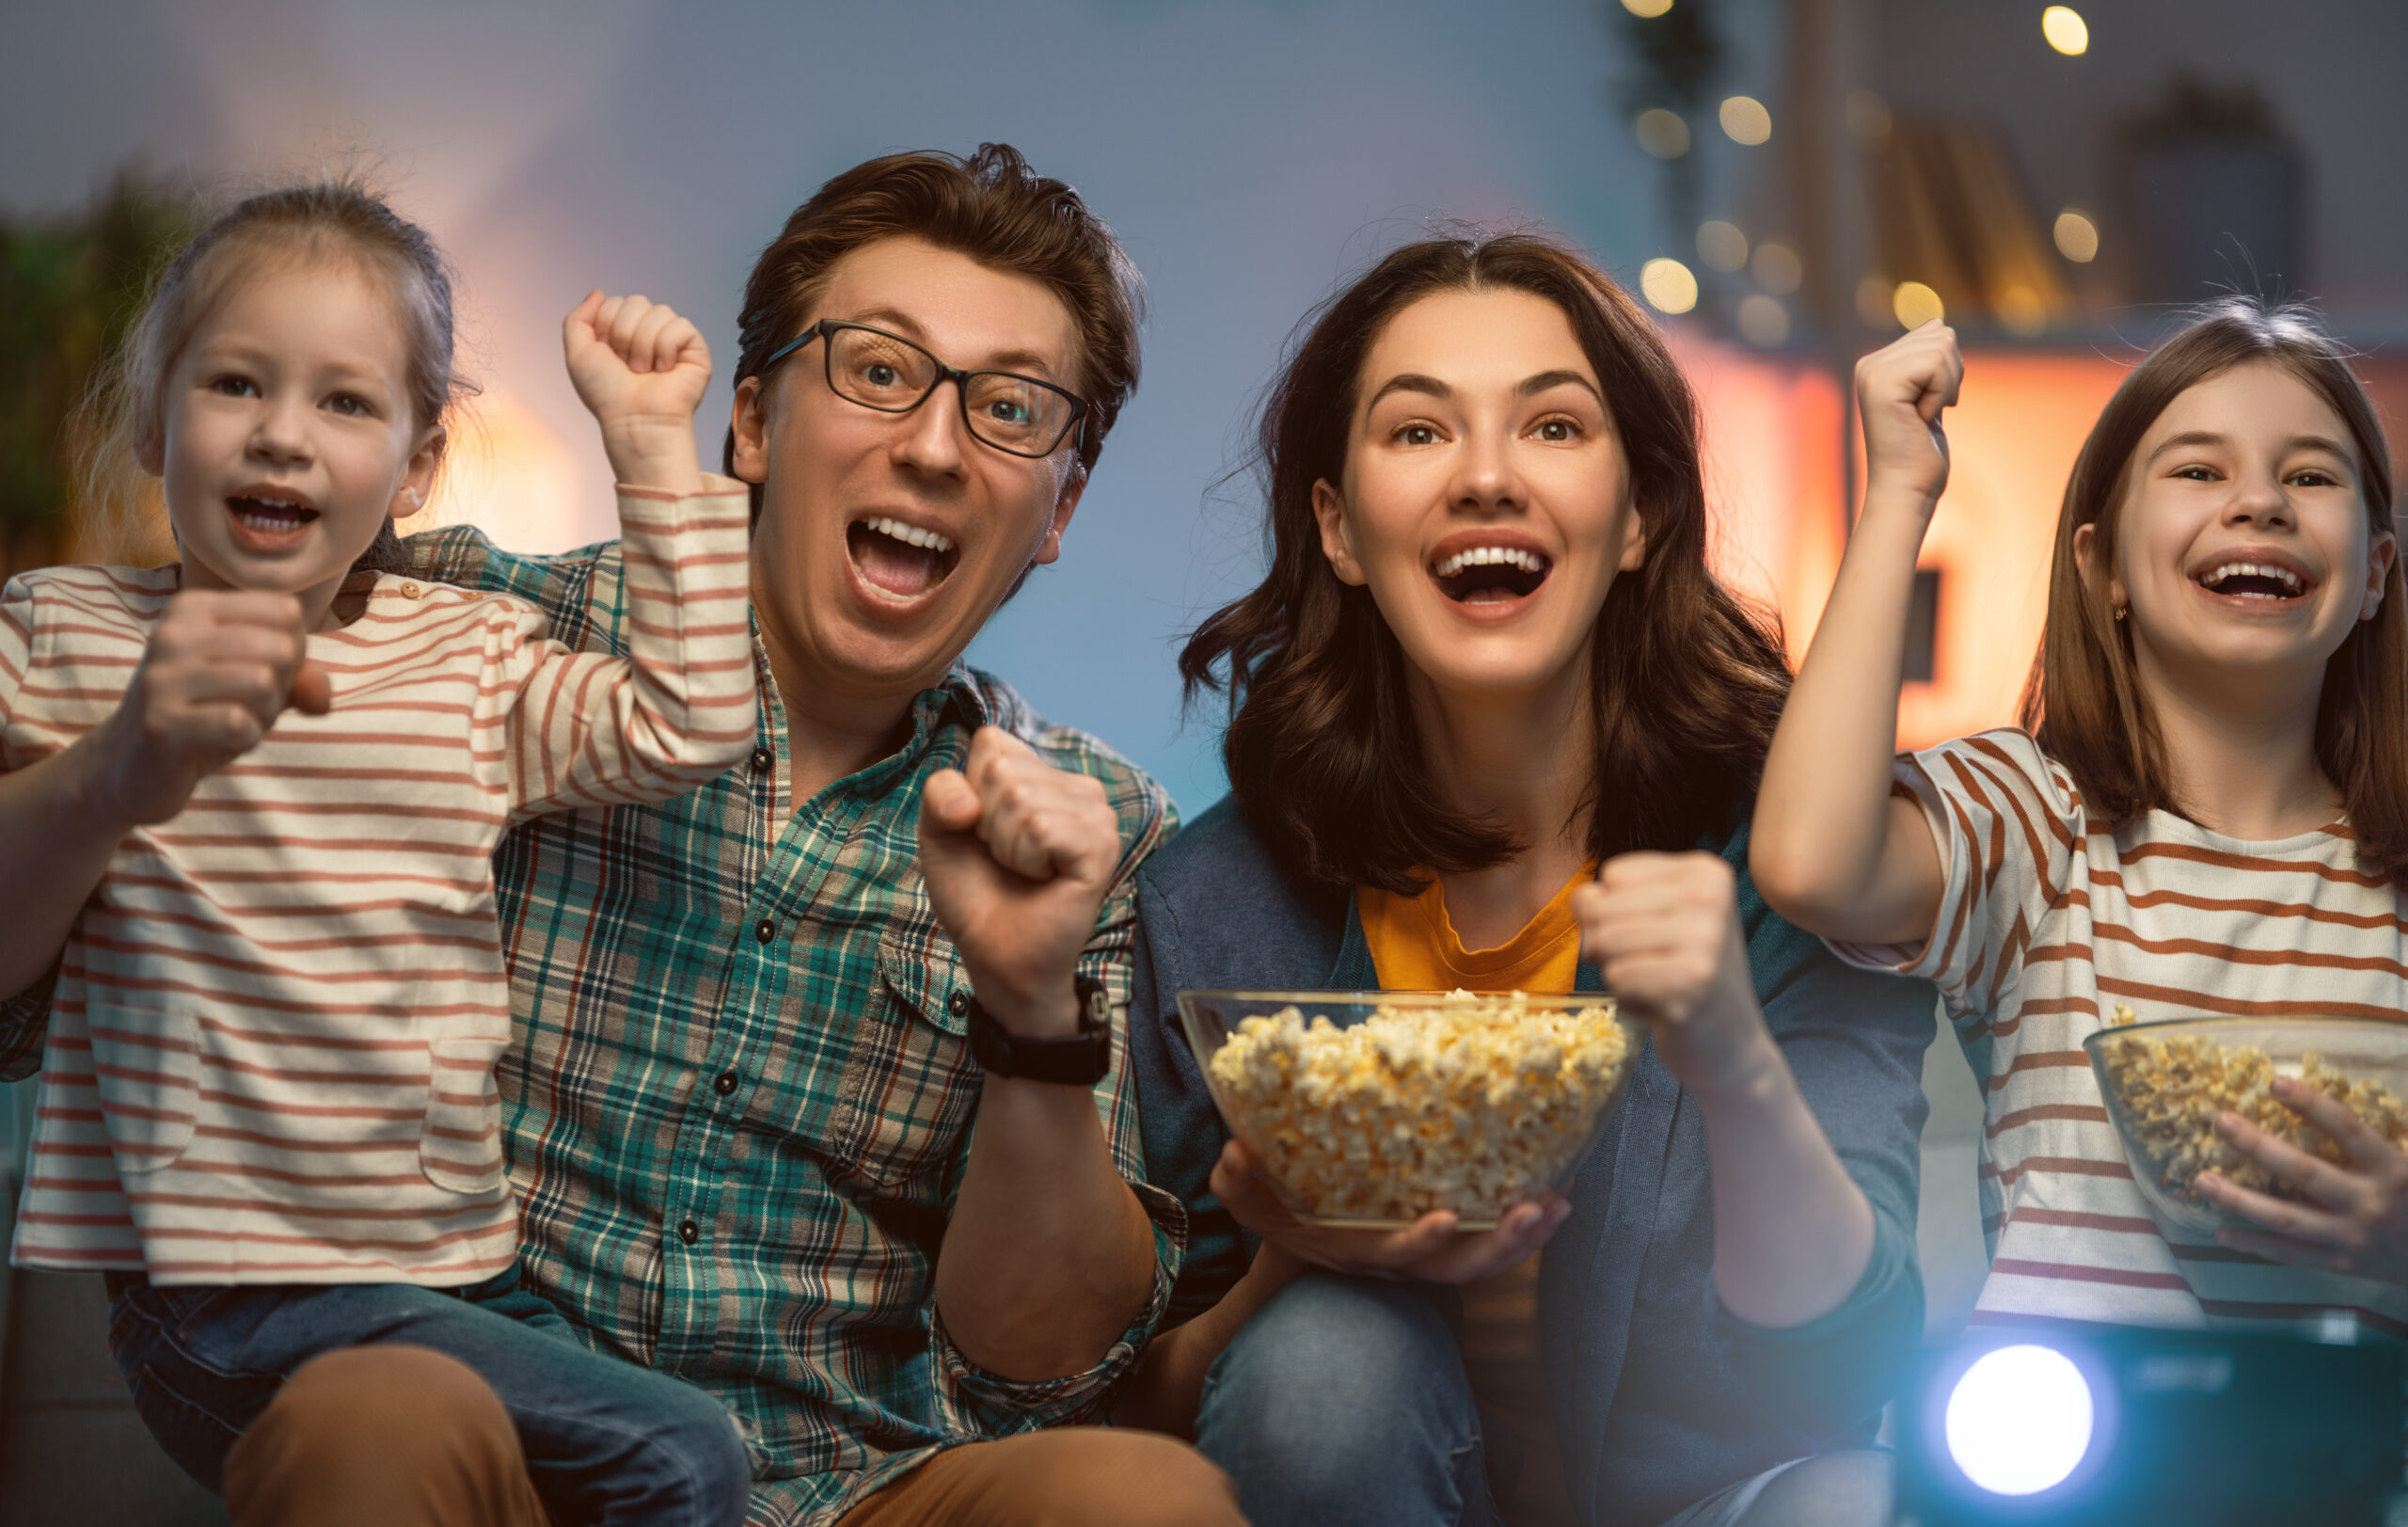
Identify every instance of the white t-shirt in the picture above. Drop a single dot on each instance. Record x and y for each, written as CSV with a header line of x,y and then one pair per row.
x,y
2046,922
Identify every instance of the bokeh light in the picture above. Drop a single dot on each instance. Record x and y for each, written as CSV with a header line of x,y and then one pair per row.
x,y
2020,1420
2077,237
1662,133
1746,120
1777,268
2066,30
1914,304
1762,321
1668,285
2021,312
1647,8
1721,244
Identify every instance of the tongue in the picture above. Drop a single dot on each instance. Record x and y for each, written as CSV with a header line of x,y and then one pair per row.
x,y
892,566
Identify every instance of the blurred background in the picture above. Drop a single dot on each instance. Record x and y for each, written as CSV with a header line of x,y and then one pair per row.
x,y
1788,182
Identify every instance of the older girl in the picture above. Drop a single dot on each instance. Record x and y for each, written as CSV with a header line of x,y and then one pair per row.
x,y
2202,813
1489,658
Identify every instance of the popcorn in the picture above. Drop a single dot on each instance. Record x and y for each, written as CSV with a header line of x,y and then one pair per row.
x,y
2173,1089
1475,1106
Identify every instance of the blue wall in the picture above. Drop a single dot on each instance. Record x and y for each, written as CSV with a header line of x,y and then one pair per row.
x,y
1250,153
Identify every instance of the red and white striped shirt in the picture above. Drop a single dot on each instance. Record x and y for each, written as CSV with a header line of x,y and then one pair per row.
x,y
2049,918
273,1039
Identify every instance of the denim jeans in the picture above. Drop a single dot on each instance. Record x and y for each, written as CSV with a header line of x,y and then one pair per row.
x,y
606,1441
1344,1402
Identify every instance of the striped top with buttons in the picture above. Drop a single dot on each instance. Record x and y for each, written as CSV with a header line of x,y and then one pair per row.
x,y
274,1032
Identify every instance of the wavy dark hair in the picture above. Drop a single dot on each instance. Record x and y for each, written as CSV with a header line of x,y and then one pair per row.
x,y
2083,701
1322,749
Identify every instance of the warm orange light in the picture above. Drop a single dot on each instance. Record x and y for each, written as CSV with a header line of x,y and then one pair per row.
x,y
2066,30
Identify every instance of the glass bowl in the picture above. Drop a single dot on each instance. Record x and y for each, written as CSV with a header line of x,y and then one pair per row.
x,y
1368,1109
2166,1082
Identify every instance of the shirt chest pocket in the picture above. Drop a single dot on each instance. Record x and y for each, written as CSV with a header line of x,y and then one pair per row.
x,y
909,1087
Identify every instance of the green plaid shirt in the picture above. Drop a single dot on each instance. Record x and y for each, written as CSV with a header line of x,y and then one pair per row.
x,y
740,1102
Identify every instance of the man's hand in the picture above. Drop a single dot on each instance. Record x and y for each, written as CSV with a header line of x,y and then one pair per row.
x,y
220,667
1431,1248
2356,1218
1900,391
640,370
1018,855
1663,929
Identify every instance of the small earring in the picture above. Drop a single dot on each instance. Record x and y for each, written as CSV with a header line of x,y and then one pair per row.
x,y
2121,610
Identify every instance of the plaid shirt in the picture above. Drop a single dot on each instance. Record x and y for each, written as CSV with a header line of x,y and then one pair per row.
x,y
738,1103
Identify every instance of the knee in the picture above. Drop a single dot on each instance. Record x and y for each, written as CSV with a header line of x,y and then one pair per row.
x,y
1849,1488
1157,1482
699,1434
1329,1350
357,1423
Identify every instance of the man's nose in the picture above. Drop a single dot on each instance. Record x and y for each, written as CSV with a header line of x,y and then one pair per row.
x,y
933,436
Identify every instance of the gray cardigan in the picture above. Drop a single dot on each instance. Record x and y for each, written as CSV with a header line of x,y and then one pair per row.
x,y
1661,1396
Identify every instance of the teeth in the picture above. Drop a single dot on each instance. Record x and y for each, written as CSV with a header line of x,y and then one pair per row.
x,y
1483,556
2284,576
909,534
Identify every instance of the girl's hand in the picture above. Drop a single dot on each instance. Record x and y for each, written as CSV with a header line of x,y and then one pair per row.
x,y
1663,929
1900,390
220,667
2355,1218
1431,1248
640,370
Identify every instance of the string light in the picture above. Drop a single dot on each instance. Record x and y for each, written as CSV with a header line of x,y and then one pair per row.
x,y
1746,120
1668,285
1662,133
2066,30
2077,237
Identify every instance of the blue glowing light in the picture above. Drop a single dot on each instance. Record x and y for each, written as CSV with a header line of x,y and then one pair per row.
x,y
2020,1420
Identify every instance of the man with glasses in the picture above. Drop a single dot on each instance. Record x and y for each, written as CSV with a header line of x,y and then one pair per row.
x,y
757,1023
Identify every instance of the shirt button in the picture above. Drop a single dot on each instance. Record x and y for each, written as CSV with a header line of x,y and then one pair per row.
x,y
689,1233
409,590
726,1083
766,929
762,760
958,1004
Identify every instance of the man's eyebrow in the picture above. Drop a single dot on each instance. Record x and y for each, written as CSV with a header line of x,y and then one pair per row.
x,y
1533,386
1021,361
1410,382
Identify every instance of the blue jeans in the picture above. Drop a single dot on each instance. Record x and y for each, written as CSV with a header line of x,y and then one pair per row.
x,y
606,1441
1344,1402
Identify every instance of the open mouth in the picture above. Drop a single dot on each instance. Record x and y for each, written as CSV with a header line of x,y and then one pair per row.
x,y
901,560
1491,574
269,521
2254,580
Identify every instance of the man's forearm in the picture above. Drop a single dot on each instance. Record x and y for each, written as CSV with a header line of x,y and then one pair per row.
x,y
1050,1256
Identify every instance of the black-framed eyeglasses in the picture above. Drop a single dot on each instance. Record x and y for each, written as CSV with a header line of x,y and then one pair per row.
x,y
1016,414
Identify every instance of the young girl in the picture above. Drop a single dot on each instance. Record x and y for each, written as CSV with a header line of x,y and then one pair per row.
x,y
2206,813
248,804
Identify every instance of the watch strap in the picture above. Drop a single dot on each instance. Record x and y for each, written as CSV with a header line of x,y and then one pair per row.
x,y
1074,1061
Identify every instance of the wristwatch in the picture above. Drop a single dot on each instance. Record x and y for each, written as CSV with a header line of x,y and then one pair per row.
x,y
1078,1060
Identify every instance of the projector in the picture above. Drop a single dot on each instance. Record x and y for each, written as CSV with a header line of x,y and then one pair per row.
x,y
2082,1426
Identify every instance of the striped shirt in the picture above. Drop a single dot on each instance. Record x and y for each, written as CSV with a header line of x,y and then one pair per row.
x,y
2049,919
274,1032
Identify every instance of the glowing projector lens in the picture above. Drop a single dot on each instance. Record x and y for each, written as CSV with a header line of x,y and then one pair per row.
x,y
2020,1420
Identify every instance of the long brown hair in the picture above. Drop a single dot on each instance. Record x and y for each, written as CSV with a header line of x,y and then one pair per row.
x,y
1322,749
992,207
2083,701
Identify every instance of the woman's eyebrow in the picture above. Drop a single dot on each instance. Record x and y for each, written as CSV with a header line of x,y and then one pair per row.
x,y
1533,386
1411,382
2186,440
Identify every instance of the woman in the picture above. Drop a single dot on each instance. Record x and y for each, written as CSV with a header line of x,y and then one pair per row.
x,y
1488,659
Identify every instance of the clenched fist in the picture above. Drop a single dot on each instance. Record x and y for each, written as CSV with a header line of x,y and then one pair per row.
x,y
1900,391
640,370
1663,929
1018,855
219,669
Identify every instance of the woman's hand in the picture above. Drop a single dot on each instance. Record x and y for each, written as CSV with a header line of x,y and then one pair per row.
x,y
219,668
1663,929
640,370
1431,1249
1900,390
2356,1218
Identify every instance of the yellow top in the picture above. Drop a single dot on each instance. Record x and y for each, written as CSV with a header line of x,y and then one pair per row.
x,y
1414,946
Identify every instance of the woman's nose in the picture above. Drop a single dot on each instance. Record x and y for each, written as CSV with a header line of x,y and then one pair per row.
x,y
1485,479
282,431
2257,499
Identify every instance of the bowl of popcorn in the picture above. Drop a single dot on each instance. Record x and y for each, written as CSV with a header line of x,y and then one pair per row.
x,y
2166,1082
1368,1109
